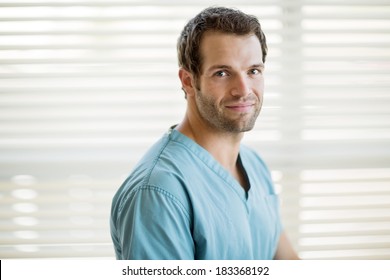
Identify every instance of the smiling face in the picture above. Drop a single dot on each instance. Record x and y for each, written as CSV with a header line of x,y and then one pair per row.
x,y
228,93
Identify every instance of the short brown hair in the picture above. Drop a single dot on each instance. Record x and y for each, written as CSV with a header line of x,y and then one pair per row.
x,y
218,19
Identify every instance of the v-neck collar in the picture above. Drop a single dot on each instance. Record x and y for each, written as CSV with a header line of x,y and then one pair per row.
x,y
212,163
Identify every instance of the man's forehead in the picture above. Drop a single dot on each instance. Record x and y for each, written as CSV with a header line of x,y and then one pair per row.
x,y
218,48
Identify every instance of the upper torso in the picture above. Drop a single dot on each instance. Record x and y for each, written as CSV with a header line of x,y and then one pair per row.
x,y
180,203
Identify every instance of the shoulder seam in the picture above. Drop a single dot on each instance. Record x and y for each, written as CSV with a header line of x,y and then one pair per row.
x,y
155,160
161,191
167,194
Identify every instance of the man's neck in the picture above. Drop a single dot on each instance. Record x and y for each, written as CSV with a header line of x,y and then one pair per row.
x,y
223,146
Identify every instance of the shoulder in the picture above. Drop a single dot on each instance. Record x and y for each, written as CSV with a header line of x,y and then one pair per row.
x,y
157,174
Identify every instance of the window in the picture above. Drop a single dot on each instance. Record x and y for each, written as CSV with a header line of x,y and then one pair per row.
x,y
87,86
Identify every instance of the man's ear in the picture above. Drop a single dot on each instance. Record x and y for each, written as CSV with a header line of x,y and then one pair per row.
x,y
187,82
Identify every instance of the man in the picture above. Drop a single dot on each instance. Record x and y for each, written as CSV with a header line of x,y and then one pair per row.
x,y
198,193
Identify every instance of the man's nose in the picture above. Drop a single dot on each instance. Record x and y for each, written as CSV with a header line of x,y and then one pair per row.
x,y
240,86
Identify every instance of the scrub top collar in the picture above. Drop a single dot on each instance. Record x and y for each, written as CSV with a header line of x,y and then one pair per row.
x,y
212,163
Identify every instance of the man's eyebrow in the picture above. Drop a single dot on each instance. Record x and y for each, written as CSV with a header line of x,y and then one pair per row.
x,y
223,66
259,65
219,66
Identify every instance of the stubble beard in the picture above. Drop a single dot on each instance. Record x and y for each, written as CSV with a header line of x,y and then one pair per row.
x,y
218,118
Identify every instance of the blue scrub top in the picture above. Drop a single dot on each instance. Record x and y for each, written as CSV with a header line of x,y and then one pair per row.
x,y
180,203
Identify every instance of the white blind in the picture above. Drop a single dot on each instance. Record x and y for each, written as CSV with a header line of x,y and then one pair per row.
x,y
87,86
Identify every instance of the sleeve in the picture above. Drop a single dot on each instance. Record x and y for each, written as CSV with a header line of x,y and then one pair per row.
x,y
154,225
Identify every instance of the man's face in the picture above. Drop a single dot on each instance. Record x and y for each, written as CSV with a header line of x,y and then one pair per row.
x,y
231,84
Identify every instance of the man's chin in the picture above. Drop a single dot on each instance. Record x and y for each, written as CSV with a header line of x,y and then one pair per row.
x,y
240,128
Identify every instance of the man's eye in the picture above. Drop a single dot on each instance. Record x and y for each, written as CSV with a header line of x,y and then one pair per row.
x,y
254,71
221,74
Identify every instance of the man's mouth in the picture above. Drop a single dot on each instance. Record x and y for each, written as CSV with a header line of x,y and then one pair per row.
x,y
241,107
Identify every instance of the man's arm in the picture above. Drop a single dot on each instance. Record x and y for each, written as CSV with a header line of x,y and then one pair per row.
x,y
285,251
153,225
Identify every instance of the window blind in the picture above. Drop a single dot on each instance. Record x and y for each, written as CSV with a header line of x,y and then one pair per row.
x,y
87,86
